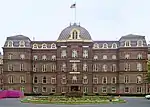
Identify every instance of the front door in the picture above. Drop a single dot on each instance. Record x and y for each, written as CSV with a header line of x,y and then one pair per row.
x,y
75,88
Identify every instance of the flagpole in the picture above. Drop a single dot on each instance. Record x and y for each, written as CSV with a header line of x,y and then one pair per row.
x,y
75,14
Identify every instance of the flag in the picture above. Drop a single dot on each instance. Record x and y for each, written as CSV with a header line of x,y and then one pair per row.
x,y
73,5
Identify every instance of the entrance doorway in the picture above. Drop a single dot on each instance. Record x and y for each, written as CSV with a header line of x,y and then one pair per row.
x,y
74,88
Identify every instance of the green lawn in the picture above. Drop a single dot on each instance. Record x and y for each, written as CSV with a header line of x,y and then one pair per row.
x,y
65,100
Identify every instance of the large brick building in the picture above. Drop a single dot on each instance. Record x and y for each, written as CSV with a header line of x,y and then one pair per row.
x,y
75,62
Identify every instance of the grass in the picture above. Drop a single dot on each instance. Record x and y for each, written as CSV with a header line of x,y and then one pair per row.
x,y
64,100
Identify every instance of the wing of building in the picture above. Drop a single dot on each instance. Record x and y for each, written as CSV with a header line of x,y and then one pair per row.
x,y
75,62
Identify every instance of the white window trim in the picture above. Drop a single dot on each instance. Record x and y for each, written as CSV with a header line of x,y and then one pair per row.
x,y
125,45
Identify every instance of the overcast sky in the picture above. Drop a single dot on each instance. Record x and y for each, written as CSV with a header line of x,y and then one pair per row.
x,y
45,19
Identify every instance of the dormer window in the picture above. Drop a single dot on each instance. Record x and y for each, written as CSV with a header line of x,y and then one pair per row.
x,y
44,57
127,43
74,34
53,46
114,45
96,45
44,45
22,43
10,44
140,43
35,46
105,45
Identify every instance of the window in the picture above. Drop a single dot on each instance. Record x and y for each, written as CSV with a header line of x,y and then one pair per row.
x,y
85,80
95,57
10,56
10,44
63,80
74,34
35,80
53,67
104,56
105,45
22,56
74,53
53,90
95,89
139,89
127,67
104,89
139,67
85,53
126,89
74,79
11,79
138,79
139,56
95,67
44,57
44,80
34,68
114,45
63,90
127,43
35,46
44,89
22,79
95,80
35,57
127,56
44,46
104,80
63,53
22,43
85,67
96,46
113,56
113,89
10,67
53,57
113,67
85,89
35,89
53,46
104,68
63,67
139,43
21,67
44,68
126,79
53,80
113,80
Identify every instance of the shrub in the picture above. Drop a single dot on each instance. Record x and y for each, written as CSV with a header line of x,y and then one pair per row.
x,y
74,94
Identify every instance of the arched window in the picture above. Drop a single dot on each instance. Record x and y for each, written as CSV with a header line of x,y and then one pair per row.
x,y
96,45
114,45
22,43
44,46
127,43
44,80
104,80
113,56
140,43
138,79
53,46
35,46
74,34
105,45
105,68
10,44
104,56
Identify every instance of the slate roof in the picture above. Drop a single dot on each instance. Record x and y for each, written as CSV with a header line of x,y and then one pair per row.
x,y
18,37
84,34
